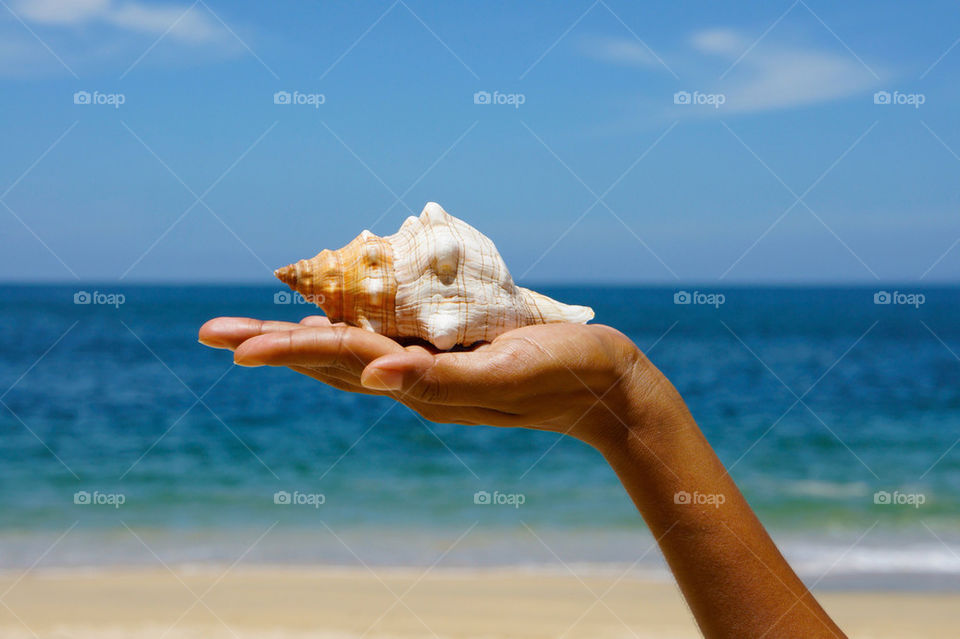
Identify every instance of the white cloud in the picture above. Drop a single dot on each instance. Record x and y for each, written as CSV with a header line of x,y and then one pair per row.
x,y
191,25
60,11
769,76
97,34
619,50
719,41
778,76
792,78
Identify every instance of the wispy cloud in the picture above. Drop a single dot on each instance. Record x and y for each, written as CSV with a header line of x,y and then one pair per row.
x,y
96,32
183,23
719,41
619,51
782,76
770,76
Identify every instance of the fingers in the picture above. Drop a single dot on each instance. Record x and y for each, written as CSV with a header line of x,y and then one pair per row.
x,y
477,378
230,332
344,347
442,387
465,415
339,380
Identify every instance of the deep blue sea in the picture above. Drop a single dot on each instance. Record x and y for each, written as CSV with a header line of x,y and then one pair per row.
x,y
819,400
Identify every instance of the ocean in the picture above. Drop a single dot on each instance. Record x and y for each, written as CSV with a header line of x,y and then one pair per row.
x,y
125,442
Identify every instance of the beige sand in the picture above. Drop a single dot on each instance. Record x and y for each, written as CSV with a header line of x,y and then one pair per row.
x,y
334,603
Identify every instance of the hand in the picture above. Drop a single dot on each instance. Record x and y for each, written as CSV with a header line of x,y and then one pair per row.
x,y
577,379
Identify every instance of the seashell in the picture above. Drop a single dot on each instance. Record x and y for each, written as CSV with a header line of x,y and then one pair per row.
x,y
437,279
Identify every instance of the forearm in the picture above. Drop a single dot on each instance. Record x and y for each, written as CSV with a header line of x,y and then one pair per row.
x,y
733,577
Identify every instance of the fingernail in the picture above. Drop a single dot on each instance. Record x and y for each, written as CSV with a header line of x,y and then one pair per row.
x,y
214,343
385,380
249,363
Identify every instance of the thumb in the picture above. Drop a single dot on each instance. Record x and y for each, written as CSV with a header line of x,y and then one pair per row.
x,y
388,373
454,379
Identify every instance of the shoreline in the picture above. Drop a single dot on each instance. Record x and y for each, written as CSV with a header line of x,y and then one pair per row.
x,y
344,602
863,582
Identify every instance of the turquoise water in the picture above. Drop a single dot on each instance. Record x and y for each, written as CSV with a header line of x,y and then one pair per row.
x,y
127,406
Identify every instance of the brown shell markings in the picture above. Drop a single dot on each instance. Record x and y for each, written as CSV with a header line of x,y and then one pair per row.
x,y
354,284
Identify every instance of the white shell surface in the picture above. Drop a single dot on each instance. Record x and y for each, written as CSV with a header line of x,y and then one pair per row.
x,y
454,288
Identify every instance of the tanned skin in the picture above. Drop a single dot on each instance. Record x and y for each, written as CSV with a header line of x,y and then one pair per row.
x,y
590,382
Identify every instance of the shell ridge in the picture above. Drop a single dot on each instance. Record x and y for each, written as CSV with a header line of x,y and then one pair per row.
x,y
463,303
343,289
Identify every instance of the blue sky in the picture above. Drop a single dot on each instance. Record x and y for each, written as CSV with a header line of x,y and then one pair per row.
x,y
782,168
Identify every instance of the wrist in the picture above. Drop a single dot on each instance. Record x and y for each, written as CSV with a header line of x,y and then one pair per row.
x,y
639,407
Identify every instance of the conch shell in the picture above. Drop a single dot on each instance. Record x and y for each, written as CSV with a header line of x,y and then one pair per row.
x,y
437,279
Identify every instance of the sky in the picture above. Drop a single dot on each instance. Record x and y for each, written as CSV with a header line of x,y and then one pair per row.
x,y
594,141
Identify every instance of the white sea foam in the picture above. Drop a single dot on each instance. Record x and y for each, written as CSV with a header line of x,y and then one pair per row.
x,y
825,489
838,558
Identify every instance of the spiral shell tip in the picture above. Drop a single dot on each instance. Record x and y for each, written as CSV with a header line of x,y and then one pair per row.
x,y
287,275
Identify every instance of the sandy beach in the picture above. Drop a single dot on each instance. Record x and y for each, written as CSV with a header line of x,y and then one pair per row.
x,y
343,603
